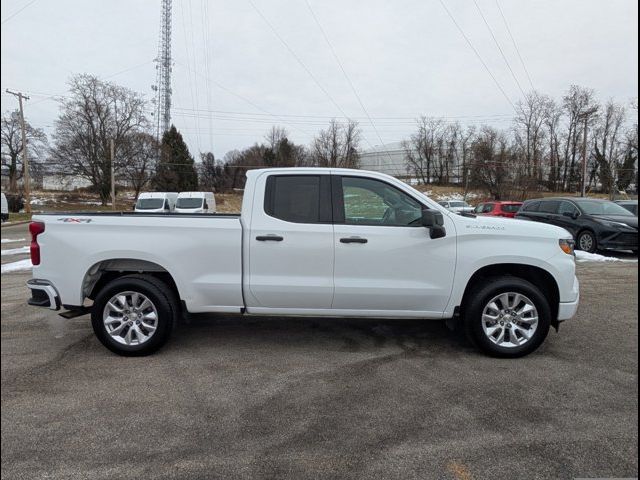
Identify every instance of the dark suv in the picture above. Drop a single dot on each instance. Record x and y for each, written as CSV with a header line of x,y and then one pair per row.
x,y
595,224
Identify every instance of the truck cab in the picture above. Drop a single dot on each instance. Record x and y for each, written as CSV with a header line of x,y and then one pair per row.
x,y
156,202
196,202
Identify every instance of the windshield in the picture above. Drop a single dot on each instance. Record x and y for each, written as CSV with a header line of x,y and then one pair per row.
x,y
149,203
189,203
591,207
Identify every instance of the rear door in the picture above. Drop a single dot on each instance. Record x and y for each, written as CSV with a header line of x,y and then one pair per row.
x,y
385,261
291,248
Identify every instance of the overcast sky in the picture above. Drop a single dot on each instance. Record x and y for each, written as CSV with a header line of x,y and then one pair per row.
x,y
233,77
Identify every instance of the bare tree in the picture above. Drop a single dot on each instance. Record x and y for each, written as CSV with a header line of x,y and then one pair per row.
x,y
140,160
552,118
576,103
608,148
530,131
491,162
94,113
11,142
421,150
337,146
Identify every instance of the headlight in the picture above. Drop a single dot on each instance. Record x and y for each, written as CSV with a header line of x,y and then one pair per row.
x,y
610,224
566,245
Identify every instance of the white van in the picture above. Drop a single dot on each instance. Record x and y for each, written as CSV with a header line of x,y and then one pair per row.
x,y
196,202
4,210
156,202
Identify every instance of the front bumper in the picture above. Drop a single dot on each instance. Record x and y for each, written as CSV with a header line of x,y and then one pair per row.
x,y
619,240
43,294
567,310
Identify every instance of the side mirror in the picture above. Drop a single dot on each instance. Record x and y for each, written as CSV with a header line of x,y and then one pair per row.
x,y
434,221
572,215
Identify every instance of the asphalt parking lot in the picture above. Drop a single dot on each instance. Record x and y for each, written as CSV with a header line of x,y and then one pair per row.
x,y
233,397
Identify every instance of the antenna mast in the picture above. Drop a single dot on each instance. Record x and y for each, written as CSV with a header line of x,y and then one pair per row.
x,y
163,68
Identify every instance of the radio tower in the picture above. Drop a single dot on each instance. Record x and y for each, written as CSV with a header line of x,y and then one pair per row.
x,y
163,68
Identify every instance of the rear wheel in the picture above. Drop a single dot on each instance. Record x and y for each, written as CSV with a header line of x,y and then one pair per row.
x,y
507,317
134,315
587,242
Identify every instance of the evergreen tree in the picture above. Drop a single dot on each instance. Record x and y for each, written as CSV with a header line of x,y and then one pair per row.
x,y
176,169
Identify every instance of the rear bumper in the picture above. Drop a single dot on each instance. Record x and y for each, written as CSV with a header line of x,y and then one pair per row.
x,y
43,294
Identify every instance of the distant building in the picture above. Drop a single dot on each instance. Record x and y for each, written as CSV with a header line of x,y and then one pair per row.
x,y
64,182
389,159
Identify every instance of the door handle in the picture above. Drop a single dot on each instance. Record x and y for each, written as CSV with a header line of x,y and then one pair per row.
x,y
269,238
353,240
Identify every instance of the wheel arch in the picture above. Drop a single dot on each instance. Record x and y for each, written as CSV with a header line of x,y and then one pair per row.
x,y
538,276
104,271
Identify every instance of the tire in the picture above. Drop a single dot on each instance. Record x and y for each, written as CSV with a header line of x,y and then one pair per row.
x,y
150,328
477,327
587,241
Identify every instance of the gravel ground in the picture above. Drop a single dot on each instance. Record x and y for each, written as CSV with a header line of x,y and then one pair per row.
x,y
321,398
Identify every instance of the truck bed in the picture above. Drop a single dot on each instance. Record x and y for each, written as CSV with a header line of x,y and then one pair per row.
x,y
201,252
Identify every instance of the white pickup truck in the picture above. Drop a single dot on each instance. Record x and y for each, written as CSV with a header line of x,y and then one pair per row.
x,y
309,241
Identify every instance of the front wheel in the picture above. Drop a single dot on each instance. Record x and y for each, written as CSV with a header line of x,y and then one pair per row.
x,y
587,242
133,315
507,317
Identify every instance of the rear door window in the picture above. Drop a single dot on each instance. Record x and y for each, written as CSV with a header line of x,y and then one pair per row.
x,y
549,206
531,206
298,198
567,207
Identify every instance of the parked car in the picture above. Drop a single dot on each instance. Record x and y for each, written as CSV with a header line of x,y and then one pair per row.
x,y
631,205
156,202
196,202
595,224
309,241
457,206
498,209
4,208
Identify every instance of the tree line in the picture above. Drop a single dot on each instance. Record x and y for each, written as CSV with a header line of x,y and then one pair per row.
x,y
542,149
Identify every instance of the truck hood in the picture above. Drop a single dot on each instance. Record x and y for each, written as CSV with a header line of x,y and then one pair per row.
x,y
501,226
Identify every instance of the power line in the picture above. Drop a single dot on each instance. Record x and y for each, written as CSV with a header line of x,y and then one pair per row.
x,y
244,99
478,55
506,24
335,56
302,64
17,12
495,40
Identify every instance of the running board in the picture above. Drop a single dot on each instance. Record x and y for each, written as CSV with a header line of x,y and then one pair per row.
x,y
78,312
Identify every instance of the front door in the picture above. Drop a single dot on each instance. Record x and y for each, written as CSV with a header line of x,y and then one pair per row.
x,y
385,261
290,258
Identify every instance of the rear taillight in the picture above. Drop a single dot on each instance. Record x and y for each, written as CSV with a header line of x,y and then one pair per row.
x,y
35,228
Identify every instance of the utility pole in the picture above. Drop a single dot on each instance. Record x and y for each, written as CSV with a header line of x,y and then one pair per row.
x,y
25,158
113,181
586,116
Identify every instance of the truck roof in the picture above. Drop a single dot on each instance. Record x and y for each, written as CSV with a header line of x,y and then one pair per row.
x,y
155,194
193,194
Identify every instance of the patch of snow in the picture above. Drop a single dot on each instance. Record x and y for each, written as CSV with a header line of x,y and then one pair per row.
x,y
15,251
582,256
37,201
456,197
12,240
18,266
